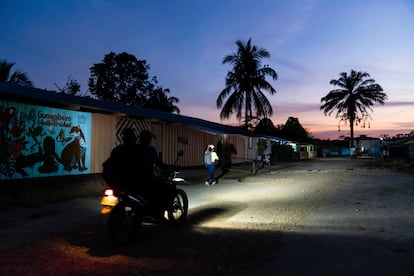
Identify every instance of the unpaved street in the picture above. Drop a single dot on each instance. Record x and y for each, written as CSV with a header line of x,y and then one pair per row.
x,y
321,217
361,222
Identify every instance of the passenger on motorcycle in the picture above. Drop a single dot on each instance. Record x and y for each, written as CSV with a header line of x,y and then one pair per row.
x,y
153,160
160,192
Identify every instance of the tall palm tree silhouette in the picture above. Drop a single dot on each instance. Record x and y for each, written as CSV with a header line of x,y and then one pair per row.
x,y
353,98
245,84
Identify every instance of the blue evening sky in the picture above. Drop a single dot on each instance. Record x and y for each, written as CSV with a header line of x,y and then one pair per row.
x,y
185,41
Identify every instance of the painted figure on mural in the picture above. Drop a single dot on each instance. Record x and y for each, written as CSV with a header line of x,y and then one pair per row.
x,y
27,161
13,159
61,137
6,115
35,133
73,155
50,157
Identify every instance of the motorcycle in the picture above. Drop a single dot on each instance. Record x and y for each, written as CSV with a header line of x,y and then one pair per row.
x,y
128,211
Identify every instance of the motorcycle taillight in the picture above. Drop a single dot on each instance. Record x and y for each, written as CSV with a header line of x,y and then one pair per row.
x,y
109,192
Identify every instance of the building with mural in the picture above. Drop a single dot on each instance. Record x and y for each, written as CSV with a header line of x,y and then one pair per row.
x,y
50,134
41,141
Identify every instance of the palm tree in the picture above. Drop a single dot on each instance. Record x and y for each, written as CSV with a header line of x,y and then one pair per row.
x,y
17,77
158,99
245,84
353,99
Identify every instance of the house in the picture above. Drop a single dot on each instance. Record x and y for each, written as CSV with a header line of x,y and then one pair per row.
x,y
368,146
50,134
409,150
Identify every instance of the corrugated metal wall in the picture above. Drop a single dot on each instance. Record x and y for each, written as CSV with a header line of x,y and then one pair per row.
x,y
176,137
170,139
239,143
103,139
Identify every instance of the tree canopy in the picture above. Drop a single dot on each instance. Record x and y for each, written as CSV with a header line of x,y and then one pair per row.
x,y
294,130
266,126
122,78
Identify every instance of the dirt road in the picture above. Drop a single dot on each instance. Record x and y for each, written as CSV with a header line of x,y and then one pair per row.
x,y
322,217
358,221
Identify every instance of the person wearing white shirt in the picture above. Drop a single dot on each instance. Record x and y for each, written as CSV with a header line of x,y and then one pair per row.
x,y
210,159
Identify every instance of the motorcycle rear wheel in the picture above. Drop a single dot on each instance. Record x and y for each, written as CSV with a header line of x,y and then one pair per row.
x,y
178,210
124,222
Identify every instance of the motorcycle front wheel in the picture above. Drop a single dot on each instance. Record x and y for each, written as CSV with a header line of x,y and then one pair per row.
x,y
123,223
177,212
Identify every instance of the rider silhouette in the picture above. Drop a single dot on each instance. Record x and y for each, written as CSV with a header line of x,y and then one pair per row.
x,y
133,166
127,164
160,191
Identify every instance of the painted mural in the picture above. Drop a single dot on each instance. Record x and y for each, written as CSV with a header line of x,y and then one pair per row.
x,y
38,141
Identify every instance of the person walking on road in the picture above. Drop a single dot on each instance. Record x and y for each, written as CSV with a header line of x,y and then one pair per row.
x,y
210,159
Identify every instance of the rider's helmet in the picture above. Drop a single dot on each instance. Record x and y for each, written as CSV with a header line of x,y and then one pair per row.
x,y
128,136
145,137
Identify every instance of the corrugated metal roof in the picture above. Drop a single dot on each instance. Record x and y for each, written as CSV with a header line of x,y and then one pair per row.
x,y
55,99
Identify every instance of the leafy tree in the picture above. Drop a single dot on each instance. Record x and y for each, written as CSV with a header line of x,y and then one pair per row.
x,y
353,98
245,84
71,87
120,78
294,130
158,99
16,77
265,126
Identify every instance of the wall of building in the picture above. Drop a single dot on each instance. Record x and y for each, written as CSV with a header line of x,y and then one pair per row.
x,y
103,139
171,138
41,141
